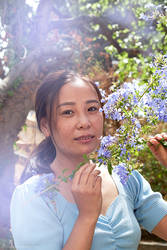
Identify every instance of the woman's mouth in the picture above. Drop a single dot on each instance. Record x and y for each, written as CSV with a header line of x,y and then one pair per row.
x,y
85,138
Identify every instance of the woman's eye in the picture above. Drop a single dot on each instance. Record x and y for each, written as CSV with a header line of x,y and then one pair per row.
x,y
93,108
67,112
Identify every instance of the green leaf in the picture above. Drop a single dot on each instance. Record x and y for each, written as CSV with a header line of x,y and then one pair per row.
x,y
10,93
109,167
86,158
65,179
64,170
163,142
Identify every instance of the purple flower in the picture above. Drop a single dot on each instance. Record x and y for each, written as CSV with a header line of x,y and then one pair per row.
x,y
107,140
104,151
128,104
122,172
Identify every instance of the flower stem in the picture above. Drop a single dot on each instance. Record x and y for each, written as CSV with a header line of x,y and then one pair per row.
x,y
151,83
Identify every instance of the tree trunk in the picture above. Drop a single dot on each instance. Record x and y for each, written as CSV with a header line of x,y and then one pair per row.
x,y
12,118
13,114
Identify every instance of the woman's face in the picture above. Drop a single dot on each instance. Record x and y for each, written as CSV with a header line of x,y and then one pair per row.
x,y
77,123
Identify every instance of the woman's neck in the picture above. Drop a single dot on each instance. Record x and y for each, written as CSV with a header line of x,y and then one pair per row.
x,y
65,165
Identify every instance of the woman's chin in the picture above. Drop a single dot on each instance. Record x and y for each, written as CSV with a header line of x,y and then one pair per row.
x,y
88,151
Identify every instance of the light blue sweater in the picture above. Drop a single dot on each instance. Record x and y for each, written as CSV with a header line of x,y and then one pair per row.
x,y
44,221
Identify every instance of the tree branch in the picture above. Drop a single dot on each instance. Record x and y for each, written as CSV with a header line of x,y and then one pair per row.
x,y
39,55
83,22
43,16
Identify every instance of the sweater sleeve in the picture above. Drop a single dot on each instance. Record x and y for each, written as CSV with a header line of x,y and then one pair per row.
x,y
33,224
149,206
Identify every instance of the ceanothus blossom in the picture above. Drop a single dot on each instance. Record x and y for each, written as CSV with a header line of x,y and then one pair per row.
x,y
104,151
155,100
127,105
122,172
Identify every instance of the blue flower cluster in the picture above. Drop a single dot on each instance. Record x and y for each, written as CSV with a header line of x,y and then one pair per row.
x,y
152,12
155,101
104,153
122,172
120,101
128,105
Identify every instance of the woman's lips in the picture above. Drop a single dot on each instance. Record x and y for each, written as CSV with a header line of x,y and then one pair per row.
x,y
85,138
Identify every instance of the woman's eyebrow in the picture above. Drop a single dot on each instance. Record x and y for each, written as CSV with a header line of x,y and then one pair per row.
x,y
65,103
73,103
94,101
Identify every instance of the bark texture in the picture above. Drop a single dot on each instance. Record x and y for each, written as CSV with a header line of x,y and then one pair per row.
x,y
13,114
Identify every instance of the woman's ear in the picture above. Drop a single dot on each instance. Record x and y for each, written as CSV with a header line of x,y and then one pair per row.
x,y
44,126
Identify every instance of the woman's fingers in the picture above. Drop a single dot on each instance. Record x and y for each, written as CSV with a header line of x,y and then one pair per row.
x,y
164,135
86,190
93,178
86,173
86,176
158,150
82,175
155,139
98,183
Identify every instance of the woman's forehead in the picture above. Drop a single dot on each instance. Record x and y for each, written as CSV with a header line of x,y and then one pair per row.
x,y
77,89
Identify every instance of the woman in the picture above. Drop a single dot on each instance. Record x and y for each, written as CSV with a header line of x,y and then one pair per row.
x,y
92,210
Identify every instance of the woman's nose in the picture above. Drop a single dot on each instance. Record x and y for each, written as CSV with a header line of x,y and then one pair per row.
x,y
83,121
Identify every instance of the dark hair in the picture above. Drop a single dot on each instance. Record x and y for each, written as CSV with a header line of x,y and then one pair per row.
x,y
45,153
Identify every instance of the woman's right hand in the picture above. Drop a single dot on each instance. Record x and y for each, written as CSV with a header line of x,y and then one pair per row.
x,y
86,190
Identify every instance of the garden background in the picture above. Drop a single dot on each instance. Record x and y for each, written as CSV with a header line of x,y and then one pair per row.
x,y
112,41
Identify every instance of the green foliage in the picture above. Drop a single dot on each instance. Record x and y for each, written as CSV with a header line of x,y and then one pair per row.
x,y
118,30
17,82
10,93
14,87
133,68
